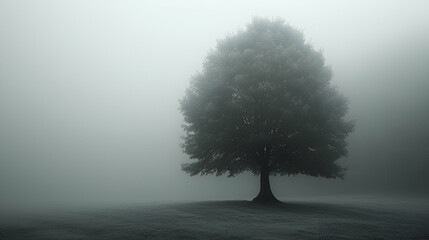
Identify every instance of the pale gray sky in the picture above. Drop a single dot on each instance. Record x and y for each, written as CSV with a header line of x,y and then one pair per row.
x,y
89,90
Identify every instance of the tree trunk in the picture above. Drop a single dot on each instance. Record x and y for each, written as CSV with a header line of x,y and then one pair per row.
x,y
265,195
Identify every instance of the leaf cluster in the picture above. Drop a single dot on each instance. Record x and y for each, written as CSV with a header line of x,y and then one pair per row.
x,y
264,99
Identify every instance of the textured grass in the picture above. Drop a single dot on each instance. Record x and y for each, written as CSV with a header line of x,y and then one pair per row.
x,y
294,219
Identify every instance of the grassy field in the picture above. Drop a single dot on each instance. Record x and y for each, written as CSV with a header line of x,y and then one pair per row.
x,y
326,218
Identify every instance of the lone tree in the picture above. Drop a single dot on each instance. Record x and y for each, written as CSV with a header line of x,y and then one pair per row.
x,y
264,103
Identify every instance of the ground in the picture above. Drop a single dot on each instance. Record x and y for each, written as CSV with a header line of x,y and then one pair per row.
x,y
308,218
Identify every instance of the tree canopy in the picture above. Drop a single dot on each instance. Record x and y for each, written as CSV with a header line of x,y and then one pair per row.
x,y
264,103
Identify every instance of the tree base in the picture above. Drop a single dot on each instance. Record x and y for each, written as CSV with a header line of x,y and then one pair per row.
x,y
265,198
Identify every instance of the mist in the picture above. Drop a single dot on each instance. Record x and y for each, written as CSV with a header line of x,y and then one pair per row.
x,y
90,90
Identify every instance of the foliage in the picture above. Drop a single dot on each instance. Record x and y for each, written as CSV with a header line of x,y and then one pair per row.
x,y
264,100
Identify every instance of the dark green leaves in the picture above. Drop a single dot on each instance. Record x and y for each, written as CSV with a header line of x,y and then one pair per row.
x,y
264,97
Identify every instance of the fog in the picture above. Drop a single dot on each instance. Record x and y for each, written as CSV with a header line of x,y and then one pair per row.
x,y
90,90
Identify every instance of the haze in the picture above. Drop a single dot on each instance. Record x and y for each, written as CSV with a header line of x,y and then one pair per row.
x,y
89,96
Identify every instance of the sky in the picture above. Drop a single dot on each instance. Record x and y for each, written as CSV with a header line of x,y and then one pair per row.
x,y
90,90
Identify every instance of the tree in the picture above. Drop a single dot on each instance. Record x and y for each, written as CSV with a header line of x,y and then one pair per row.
x,y
264,103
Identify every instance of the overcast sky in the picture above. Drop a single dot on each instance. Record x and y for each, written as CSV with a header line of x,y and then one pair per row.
x,y
89,90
